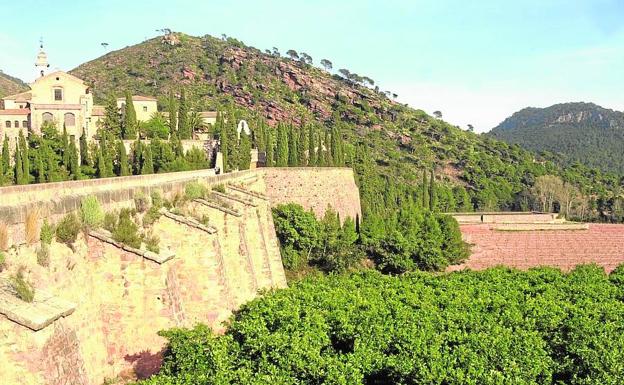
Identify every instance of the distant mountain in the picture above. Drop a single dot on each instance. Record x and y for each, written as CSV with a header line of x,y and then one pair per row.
x,y
582,132
10,85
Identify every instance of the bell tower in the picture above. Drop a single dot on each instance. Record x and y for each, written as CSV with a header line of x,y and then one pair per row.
x,y
41,64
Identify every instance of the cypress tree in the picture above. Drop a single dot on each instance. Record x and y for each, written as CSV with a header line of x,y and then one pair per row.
x,y
123,168
130,120
40,167
432,193
106,169
84,150
148,163
137,157
65,148
74,160
311,146
327,161
6,155
302,145
425,191
173,113
184,130
19,171
25,158
100,168
281,152
293,148
270,149
244,152
112,120
337,153
223,143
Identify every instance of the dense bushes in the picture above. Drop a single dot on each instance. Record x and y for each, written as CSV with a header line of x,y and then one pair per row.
x,y
498,326
68,228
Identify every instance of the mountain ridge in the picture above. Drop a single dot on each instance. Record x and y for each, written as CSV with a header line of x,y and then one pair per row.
x,y
10,85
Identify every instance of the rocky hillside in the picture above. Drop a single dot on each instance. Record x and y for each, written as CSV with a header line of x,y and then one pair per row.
x,y
400,140
575,132
10,85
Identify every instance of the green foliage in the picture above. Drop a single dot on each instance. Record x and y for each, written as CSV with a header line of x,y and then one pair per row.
x,y
157,199
68,228
24,290
219,188
151,216
498,326
195,190
152,243
244,155
43,255
129,129
91,212
2,260
126,231
184,129
46,235
141,201
110,221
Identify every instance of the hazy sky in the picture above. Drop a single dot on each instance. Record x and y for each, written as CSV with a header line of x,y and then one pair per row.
x,y
476,61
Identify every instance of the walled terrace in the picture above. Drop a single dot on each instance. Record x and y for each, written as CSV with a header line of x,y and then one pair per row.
x,y
526,240
99,303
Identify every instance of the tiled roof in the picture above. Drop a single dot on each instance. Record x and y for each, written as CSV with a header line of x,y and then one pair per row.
x,y
17,111
21,97
98,111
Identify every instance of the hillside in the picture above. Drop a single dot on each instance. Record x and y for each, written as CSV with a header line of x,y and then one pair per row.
x,y
10,85
396,142
575,132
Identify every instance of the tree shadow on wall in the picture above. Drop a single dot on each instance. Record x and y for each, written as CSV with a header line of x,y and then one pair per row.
x,y
145,363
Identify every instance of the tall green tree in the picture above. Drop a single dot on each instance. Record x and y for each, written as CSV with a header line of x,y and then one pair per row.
x,y
65,148
293,146
25,158
223,144
123,167
137,157
281,151
18,169
148,163
184,129
244,157
270,149
312,144
425,190
337,152
172,108
432,193
328,161
84,150
74,160
302,145
6,155
112,119
130,119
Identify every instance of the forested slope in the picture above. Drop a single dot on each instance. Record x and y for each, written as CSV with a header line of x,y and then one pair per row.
x,y
10,85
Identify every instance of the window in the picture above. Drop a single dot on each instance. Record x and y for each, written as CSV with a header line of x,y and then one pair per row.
x,y
25,123
70,119
144,108
47,117
7,124
16,124
58,94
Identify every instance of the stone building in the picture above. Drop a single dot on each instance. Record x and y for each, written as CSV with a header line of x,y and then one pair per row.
x,y
144,106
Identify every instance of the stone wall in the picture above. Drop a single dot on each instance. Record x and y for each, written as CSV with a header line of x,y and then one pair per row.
x,y
314,188
123,300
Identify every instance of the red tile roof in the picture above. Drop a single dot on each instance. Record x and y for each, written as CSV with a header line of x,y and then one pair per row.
x,y
18,111
602,244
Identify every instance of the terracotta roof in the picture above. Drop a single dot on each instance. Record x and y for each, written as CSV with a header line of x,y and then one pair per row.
x,y
56,106
21,97
139,98
98,111
18,111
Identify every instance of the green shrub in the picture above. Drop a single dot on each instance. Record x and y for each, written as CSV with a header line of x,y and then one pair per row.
x,y
110,221
141,201
126,231
194,190
91,212
152,243
157,199
68,228
43,255
47,233
23,289
2,260
219,188
151,216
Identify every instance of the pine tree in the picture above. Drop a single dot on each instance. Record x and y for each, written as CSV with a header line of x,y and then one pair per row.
x,y
112,120
84,151
130,120
432,193
293,148
281,152
173,113
184,130
148,163
425,190
244,152
302,146
74,160
311,146
123,167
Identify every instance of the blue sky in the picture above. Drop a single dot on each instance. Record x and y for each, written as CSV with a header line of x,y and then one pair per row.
x,y
476,61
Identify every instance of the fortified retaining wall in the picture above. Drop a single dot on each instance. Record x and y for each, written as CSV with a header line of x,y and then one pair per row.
x,y
98,307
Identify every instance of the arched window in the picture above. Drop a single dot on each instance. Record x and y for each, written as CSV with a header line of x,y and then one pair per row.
x,y
47,117
25,123
16,124
70,119
58,94
7,124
